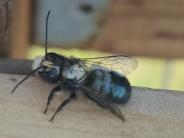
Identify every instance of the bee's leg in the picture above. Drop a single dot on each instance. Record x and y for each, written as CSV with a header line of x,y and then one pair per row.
x,y
51,95
65,102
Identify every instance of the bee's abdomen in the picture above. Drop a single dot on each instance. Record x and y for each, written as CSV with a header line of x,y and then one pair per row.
x,y
113,85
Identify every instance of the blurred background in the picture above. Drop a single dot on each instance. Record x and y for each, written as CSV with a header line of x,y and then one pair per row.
x,y
152,31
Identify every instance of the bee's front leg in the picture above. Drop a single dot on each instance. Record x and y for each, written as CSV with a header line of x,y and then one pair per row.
x,y
51,95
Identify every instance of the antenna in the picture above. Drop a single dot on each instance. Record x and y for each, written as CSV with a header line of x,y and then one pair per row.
x,y
46,33
46,45
25,79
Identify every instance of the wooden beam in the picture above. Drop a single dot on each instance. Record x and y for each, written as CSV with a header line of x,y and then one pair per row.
x,y
20,29
149,113
143,28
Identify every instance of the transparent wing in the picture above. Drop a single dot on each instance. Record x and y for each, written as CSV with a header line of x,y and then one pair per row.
x,y
120,63
103,102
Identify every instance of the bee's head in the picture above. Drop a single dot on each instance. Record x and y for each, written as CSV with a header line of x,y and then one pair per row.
x,y
47,66
50,64
49,70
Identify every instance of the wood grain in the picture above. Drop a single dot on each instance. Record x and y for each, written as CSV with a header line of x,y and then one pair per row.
x,y
20,28
4,24
134,27
144,28
16,66
149,113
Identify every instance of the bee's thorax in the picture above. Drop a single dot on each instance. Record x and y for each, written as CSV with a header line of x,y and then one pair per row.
x,y
73,72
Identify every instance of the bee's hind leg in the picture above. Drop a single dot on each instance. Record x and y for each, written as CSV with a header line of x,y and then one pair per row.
x,y
65,102
51,95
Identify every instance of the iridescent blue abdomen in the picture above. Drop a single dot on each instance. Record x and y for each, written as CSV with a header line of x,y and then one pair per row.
x,y
110,83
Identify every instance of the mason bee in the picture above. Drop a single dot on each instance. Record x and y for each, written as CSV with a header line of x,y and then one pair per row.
x,y
101,79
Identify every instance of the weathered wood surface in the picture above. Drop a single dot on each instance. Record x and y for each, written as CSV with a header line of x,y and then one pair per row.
x,y
134,27
144,27
149,113
20,28
5,10
16,66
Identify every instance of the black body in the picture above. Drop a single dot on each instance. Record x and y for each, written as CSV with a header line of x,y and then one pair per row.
x,y
111,84
100,79
99,84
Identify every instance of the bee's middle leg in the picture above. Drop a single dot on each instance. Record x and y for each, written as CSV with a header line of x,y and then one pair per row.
x,y
65,102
